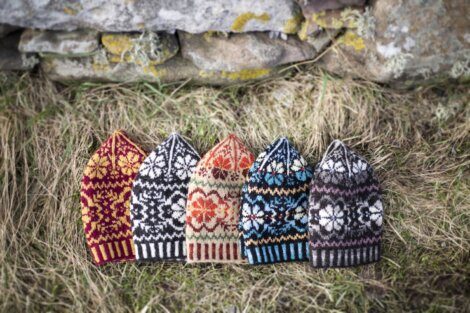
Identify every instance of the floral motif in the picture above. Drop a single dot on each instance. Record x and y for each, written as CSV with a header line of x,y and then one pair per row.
x,y
222,163
245,162
153,166
274,173
97,167
204,210
129,163
219,173
252,217
299,166
185,166
359,169
331,218
300,214
179,210
376,213
332,171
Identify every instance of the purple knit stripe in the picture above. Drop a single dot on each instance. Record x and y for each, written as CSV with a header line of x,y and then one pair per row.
x,y
338,191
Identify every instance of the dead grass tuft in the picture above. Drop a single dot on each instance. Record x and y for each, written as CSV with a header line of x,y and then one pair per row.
x,y
418,142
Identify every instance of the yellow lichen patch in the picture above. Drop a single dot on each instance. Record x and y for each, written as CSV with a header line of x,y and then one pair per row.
x,y
293,24
208,35
351,39
346,19
117,44
70,11
240,22
98,67
246,74
303,32
205,74
152,70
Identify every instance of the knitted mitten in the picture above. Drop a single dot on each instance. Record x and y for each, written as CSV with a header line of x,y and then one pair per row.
x,y
158,205
214,203
345,214
105,193
273,217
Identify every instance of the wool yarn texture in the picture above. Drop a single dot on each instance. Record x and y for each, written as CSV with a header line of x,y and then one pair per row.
x,y
105,194
158,205
346,212
274,218
214,203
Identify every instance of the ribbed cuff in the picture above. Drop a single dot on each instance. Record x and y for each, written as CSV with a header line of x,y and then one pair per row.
x,y
344,257
113,251
214,252
158,251
278,252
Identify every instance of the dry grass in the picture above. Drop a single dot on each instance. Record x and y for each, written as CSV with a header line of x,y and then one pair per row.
x,y
418,142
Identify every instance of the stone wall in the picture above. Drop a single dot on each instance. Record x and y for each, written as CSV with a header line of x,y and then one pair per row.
x,y
401,43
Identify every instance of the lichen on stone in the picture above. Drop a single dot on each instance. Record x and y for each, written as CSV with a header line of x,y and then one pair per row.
x,y
292,25
397,64
246,74
239,24
365,24
351,39
461,68
146,49
29,61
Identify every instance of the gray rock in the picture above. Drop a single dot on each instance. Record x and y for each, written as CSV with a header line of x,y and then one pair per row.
x,y
215,52
193,16
411,43
74,43
99,69
322,5
13,60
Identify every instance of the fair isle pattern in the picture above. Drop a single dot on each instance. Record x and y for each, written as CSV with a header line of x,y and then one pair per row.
x,y
158,205
273,219
105,193
346,212
214,203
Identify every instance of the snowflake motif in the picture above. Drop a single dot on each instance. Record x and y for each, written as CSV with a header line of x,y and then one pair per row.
x,y
332,171
129,163
97,167
359,169
179,210
184,166
376,213
152,167
274,173
252,217
300,214
331,218
299,167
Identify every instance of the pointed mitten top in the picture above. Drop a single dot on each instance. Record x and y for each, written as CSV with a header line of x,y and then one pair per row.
x,y
214,203
345,210
273,219
105,192
158,205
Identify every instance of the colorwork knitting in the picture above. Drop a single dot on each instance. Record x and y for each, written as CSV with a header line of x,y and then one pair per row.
x,y
274,217
345,214
214,203
105,193
158,206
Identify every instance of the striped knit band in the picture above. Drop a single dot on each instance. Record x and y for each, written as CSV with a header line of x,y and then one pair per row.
x,y
155,251
277,252
344,257
206,252
114,251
